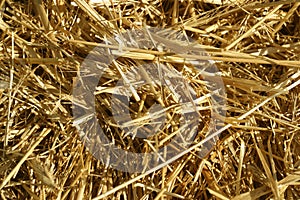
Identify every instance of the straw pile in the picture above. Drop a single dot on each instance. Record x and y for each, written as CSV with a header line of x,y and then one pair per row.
x,y
254,44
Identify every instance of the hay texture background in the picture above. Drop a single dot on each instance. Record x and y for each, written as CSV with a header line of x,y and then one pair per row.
x,y
256,46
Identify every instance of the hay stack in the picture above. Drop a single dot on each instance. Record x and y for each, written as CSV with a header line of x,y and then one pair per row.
x,y
255,46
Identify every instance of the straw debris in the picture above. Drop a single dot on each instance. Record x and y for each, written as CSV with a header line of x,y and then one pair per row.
x,y
254,44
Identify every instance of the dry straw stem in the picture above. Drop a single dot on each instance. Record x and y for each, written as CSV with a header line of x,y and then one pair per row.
x,y
255,45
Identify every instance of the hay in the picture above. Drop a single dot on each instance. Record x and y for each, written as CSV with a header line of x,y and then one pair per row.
x,y
254,44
